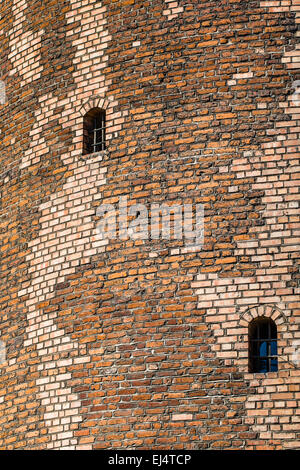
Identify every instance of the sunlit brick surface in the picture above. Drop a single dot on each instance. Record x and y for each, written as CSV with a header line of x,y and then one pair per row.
x,y
144,344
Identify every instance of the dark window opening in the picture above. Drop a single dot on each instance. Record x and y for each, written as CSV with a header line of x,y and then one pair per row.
x,y
94,131
263,345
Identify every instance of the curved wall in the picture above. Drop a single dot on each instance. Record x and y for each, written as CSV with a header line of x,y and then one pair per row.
x,y
142,343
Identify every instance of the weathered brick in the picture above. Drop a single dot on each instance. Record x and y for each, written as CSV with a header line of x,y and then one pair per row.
x,y
138,343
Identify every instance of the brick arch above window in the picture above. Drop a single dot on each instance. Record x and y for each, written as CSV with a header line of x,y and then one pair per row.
x,y
252,313
269,311
114,118
97,101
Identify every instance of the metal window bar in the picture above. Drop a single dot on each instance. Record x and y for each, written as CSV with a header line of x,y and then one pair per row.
x,y
259,359
99,133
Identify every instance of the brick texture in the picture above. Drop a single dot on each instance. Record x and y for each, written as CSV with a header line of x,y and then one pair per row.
x,y
144,343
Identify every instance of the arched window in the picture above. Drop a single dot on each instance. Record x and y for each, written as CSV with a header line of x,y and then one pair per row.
x,y
94,130
263,345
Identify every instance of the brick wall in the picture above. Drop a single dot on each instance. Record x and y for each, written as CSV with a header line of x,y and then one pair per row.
x,y
144,343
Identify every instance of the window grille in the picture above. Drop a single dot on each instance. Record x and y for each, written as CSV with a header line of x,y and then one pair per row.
x,y
263,345
94,131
